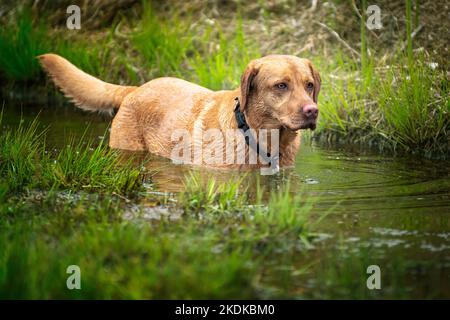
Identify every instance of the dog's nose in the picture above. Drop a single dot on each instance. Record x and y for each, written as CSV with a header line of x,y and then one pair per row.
x,y
311,111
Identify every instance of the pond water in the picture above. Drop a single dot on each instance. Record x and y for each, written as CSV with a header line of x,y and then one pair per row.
x,y
381,210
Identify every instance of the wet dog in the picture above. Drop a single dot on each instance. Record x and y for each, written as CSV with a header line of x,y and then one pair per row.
x,y
277,92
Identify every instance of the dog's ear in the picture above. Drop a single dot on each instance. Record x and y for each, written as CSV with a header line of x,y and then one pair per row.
x,y
246,84
317,82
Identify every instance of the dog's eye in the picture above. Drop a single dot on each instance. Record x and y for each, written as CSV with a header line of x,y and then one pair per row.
x,y
282,86
310,86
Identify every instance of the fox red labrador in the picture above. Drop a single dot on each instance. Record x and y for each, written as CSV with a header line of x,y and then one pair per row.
x,y
277,92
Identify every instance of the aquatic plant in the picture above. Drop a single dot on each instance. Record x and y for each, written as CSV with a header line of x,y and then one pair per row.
x,y
225,243
83,165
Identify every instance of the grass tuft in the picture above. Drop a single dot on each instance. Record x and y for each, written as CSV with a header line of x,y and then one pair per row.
x,y
20,151
405,109
209,197
220,59
163,44
24,163
20,43
415,105
85,166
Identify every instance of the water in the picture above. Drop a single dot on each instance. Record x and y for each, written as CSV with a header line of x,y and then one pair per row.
x,y
382,210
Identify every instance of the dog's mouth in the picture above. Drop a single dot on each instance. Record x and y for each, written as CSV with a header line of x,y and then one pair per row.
x,y
306,125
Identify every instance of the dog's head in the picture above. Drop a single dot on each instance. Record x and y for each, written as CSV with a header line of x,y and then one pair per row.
x,y
281,92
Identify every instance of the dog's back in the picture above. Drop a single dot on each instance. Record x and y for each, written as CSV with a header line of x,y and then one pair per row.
x,y
153,111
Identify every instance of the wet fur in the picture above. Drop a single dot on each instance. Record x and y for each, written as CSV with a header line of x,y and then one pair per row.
x,y
148,115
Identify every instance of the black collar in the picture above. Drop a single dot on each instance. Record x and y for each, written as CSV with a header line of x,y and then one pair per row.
x,y
249,139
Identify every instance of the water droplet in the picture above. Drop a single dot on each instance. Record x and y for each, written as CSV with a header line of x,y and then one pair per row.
x,y
311,181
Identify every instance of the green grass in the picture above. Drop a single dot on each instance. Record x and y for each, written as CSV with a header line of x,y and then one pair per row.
x,y
209,196
397,109
220,249
402,106
68,207
83,165
20,43
342,274
220,237
409,23
19,151
223,245
118,259
220,58
415,105
162,43
405,109
251,220
207,55
26,164
95,60
280,216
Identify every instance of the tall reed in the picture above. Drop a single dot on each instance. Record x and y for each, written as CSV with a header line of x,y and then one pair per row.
x,y
409,46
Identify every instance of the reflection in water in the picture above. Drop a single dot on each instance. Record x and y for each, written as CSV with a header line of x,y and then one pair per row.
x,y
381,209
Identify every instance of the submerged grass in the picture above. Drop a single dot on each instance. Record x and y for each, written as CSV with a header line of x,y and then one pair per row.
x,y
118,259
208,196
343,274
23,39
221,58
400,107
222,247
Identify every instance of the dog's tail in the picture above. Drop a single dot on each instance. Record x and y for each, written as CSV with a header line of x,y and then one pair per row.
x,y
86,92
